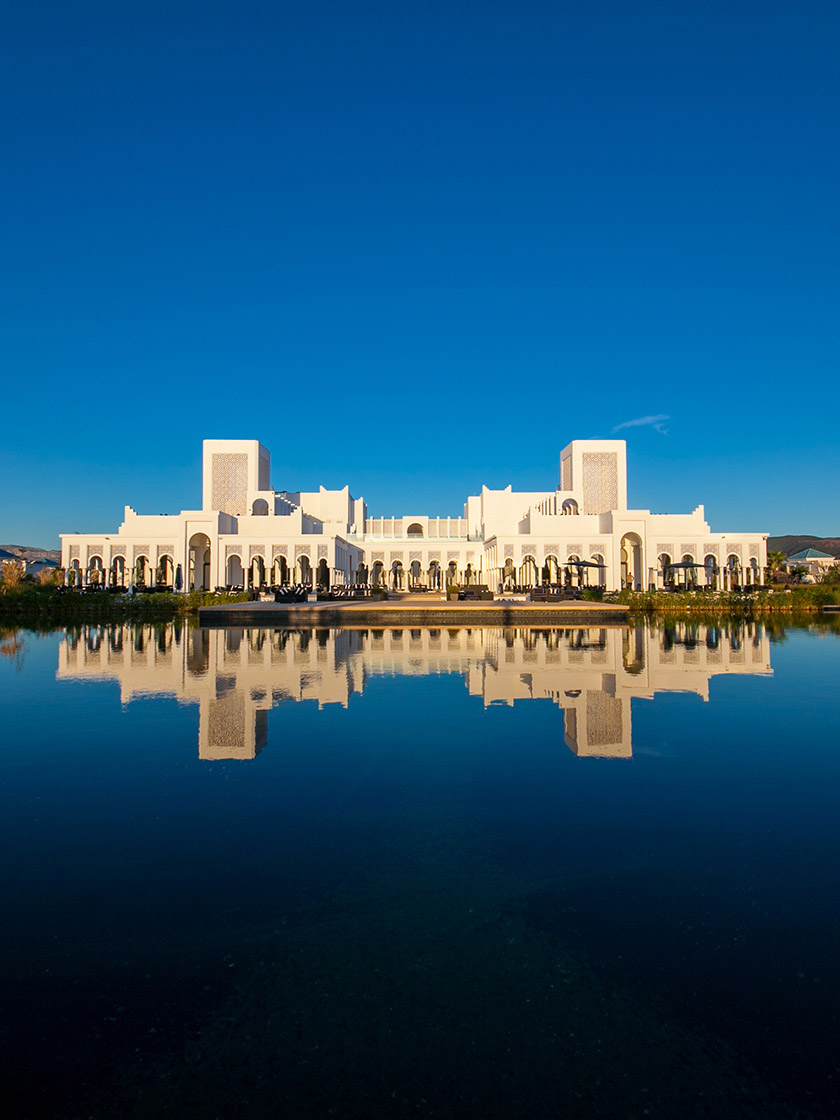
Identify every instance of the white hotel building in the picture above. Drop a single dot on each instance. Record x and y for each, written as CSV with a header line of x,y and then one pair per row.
x,y
248,534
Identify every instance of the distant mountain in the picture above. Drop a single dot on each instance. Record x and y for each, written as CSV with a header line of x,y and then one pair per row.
x,y
29,552
793,544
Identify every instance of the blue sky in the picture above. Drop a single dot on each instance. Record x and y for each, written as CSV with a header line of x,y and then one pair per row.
x,y
419,247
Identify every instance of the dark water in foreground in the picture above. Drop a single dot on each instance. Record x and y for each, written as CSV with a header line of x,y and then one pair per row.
x,y
420,873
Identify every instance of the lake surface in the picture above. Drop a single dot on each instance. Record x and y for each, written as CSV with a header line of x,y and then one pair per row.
x,y
471,872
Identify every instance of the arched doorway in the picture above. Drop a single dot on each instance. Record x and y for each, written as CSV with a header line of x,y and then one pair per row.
x,y
378,573
689,573
414,573
434,575
199,561
711,571
508,575
733,565
631,561
529,572
96,572
257,572
574,570
323,575
118,571
142,571
397,576
280,571
303,571
166,572
666,572
599,574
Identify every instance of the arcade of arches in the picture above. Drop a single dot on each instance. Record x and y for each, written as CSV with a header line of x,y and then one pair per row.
x,y
578,534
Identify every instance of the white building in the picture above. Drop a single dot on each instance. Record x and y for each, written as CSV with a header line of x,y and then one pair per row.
x,y
248,534
815,563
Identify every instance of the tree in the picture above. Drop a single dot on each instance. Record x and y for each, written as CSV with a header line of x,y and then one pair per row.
x,y
831,577
12,573
776,566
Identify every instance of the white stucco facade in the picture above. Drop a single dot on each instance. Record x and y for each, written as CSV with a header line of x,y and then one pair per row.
x,y
249,534
815,563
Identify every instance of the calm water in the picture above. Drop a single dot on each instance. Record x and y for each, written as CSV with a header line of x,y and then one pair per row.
x,y
495,873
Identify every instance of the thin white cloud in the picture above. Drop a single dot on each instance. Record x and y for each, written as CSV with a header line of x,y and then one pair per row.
x,y
655,422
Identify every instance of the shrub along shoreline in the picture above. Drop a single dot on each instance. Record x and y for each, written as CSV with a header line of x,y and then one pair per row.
x,y
52,604
807,600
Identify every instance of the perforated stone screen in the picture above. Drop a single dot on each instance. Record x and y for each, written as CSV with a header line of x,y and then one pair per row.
x,y
600,481
230,482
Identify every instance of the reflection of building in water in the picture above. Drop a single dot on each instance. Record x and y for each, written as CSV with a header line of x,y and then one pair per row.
x,y
237,675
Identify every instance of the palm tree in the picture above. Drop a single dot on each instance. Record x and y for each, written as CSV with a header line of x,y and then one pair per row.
x,y
775,565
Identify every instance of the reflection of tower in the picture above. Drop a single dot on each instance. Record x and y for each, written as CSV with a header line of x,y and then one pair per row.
x,y
600,726
231,727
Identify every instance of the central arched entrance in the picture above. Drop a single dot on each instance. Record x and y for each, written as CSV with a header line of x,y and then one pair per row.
x,y
199,561
631,562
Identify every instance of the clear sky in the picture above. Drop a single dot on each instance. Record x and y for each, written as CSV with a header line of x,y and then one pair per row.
x,y
418,247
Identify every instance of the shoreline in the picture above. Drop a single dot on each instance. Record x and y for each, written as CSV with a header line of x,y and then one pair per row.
x,y
48,607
